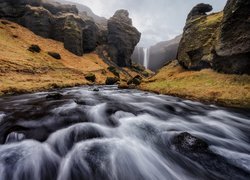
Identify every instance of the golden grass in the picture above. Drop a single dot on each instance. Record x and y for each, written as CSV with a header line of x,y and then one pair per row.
x,y
24,71
206,85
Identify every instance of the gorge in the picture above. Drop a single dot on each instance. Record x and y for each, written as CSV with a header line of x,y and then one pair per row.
x,y
81,98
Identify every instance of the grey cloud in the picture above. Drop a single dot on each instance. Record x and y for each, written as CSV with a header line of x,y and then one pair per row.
x,y
157,20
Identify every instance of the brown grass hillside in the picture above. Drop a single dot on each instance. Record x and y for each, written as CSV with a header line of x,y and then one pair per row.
x,y
206,85
24,71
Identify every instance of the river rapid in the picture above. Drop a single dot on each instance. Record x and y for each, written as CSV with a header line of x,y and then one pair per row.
x,y
103,133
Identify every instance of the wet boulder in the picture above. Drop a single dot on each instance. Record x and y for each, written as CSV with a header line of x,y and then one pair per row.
x,y
122,38
54,96
186,142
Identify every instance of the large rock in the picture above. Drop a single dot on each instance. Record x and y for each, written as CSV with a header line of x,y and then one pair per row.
x,y
122,38
220,41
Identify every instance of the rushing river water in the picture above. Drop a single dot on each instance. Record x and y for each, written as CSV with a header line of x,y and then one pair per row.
x,y
116,134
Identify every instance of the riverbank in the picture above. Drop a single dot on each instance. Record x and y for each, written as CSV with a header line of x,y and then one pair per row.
x,y
205,86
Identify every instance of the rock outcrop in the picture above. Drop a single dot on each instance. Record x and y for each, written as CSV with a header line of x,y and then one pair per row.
x,y
122,38
78,31
53,20
220,40
199,10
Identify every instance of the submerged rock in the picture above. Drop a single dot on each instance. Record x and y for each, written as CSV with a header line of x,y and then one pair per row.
x,y
54,96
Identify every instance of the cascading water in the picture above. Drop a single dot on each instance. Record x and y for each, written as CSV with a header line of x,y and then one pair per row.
x,y
146,54
120,135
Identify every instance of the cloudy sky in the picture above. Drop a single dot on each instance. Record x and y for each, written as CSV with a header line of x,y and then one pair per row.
x,y
157,20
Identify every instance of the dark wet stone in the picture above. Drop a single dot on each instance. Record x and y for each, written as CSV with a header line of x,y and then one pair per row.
x,y
54,55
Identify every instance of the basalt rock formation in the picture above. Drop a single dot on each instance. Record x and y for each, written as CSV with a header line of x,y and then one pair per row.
x,y
122,38
220,41
78,31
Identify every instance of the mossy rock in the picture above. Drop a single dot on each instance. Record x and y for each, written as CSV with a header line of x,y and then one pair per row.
x,y
135,80
54,55
34,48
138,67
112,80
90,77
114,71
145,73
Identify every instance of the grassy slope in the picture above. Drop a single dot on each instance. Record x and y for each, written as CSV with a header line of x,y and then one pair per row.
x,y
205,85
24,71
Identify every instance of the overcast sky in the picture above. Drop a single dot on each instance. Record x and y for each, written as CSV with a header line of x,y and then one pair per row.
x,y
157,20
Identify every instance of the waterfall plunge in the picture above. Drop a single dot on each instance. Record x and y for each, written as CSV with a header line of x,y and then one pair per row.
x,y
146,57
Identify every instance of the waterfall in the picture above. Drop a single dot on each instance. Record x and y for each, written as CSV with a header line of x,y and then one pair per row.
x,y
146,57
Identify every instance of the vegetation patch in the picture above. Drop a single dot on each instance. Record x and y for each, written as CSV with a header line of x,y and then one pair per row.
x,y
206,85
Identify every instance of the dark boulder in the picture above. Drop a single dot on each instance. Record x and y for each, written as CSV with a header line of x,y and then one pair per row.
x,y
111,80
90,77
114,71
198,150
135,80
54,55
122,38
199,10
34,48
186,142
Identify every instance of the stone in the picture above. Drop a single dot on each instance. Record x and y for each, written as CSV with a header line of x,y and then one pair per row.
x,y
111,80
54,55
34,48
54,96
114,71
90,77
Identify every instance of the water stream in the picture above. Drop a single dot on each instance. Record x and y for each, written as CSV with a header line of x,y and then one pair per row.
x,y
120,135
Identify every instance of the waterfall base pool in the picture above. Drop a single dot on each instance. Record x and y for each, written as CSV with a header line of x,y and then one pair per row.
x,y
112,134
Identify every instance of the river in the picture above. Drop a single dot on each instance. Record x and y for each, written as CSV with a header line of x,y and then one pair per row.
x,y
104,133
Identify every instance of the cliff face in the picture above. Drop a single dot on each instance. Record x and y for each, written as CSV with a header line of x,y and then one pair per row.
x,y
79,33
163,52
220,41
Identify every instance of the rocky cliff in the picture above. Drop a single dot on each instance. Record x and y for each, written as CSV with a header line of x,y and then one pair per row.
x,y
222,40
163,52
79,33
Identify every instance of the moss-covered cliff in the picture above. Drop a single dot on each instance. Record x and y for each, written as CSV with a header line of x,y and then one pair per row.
x,y
220,41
